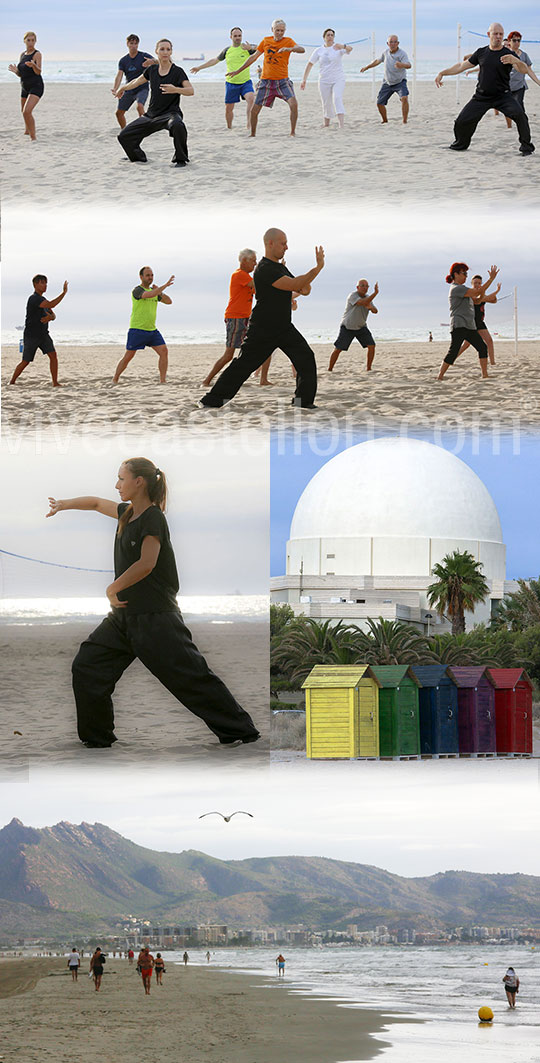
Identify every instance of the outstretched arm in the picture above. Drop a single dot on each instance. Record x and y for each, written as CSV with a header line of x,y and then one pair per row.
x,y
457,68
100,505
297,284
256,55
131,85
204,66
307,72
136,572
370,65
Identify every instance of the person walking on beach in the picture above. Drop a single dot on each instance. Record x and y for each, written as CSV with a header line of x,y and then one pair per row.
x,y
36,336
495,63
132,66
208,957
270,327
354,323
238,310
275,82
396,61
185,958
74,962
145,620
131,957
462,320
479,318
280,964
331,76
28,69
159,967
239,86
142,330
97,961
167,83
511,985
145,962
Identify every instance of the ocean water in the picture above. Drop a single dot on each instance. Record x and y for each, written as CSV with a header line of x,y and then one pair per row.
x,y
218,609
442,986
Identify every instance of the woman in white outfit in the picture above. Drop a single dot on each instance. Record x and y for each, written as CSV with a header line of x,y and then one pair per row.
x,y
331,76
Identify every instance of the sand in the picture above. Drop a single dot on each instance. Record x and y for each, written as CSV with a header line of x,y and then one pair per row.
x,y
77,154
150,724
400,392
208,1015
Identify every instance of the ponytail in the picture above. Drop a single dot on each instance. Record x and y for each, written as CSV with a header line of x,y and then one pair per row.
x,y
156,485
456,267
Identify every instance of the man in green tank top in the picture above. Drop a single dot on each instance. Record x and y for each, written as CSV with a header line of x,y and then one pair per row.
x,y
239,87
142,330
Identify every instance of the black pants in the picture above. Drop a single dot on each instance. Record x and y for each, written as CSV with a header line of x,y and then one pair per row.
x,y
132,135
256,348
458,336
468,119
164,645
519,95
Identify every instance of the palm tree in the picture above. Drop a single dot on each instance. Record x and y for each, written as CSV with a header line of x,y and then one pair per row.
x,y
307,643
392,642
460,586
522,609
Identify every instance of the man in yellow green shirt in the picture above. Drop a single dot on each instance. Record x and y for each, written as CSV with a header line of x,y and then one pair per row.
x,y
239,87
142,325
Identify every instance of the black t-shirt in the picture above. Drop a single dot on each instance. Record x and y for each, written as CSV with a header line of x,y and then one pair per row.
x,y
132,66
479,315
34,312
273,308
157,592
162,103
494,76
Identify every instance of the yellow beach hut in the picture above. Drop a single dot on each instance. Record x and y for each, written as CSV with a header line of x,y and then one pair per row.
x,y
342,712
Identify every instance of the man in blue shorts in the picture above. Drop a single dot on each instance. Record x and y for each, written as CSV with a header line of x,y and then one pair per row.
x,y
396,62
142,326
39,312
239,87
132,66
353,325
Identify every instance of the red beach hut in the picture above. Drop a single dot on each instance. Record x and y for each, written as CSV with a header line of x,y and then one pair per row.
x,y
513,710
476,710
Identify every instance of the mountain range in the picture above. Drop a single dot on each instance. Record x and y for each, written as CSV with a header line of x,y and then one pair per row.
x,y
86,877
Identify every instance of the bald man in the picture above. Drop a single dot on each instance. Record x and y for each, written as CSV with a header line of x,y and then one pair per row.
x,y
495,62
354,323
270,327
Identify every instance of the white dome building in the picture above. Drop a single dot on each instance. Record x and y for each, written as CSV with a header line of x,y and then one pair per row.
x,y
372,523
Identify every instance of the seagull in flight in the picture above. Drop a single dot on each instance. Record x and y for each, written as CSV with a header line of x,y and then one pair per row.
x,y
226,818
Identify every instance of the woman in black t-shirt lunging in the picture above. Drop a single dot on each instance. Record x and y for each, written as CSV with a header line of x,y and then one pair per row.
x,y
145,620
28,69
167,83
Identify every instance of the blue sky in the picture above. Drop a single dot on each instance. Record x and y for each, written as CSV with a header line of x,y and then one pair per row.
x,y
68,30
511,478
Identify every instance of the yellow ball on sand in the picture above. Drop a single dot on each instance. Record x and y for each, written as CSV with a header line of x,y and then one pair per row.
x,y
485,1014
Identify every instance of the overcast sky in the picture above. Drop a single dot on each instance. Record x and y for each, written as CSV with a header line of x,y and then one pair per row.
x,y
407,252
508,476
74,31
412,819
217,513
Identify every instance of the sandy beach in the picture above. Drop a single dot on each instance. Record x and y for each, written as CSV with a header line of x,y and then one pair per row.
x,y
150,724
77,155
400,391
209,1015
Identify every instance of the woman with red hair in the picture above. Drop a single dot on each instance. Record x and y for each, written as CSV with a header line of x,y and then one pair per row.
x,y
462,320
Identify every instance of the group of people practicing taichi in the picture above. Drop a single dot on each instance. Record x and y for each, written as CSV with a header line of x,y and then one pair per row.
x,y
502,65
256,331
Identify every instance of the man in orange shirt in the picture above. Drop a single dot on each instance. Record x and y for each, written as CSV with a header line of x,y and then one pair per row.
x,y
275,82
238,310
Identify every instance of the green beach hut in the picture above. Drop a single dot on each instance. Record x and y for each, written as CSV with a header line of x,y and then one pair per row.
x,y
399,715
342,712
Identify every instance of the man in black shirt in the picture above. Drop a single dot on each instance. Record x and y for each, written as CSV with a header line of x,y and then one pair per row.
x,y
270,327
493,90
167,83
39,311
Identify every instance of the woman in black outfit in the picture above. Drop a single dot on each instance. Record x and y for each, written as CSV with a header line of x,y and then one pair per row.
x,y
28,69
167,83
145,620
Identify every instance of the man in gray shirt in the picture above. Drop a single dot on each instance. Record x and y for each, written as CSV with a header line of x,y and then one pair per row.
x,y
353,325
396,62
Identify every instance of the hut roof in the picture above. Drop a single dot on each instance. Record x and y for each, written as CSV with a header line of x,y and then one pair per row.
x,y
391,675
507,678
338,675
469,676
430,675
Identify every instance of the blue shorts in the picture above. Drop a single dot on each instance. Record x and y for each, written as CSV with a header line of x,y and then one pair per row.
x,y
386,91
138,339
139,95
347,335
235,93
